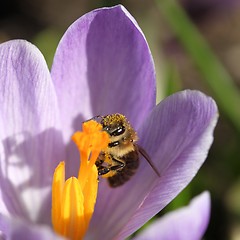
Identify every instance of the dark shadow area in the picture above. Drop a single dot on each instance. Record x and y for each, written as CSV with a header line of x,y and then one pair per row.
x,y
72,157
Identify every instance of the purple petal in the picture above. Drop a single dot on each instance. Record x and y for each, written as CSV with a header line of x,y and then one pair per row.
x,y
178,148
186,223
15,229
177,135
29,123
103,65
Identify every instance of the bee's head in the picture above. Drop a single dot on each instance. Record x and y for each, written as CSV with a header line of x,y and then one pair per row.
x,y
115,124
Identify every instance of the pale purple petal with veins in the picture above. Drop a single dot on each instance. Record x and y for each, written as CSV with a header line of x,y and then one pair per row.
x,y
177,135
189,222
29,131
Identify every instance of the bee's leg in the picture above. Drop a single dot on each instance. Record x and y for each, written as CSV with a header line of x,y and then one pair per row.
x,y
103,170
119,165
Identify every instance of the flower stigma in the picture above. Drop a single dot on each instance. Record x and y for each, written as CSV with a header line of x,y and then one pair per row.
x,y
73,200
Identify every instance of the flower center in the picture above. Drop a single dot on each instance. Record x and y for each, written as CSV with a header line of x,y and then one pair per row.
x,y
73,200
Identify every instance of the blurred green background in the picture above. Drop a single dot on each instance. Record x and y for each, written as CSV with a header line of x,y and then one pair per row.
x,y
195,44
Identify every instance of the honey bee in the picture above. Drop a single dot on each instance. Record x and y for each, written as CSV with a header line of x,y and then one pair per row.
x,y
121,159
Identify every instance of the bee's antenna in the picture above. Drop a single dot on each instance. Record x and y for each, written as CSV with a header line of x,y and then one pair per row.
x,y
94,118
146,156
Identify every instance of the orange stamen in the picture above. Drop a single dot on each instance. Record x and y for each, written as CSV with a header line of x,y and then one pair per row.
x,y
73,200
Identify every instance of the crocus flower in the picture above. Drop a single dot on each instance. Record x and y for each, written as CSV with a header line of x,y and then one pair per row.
x,y
102,65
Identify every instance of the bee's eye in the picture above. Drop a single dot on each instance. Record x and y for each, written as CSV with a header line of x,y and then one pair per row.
x,y
106,129
118,131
